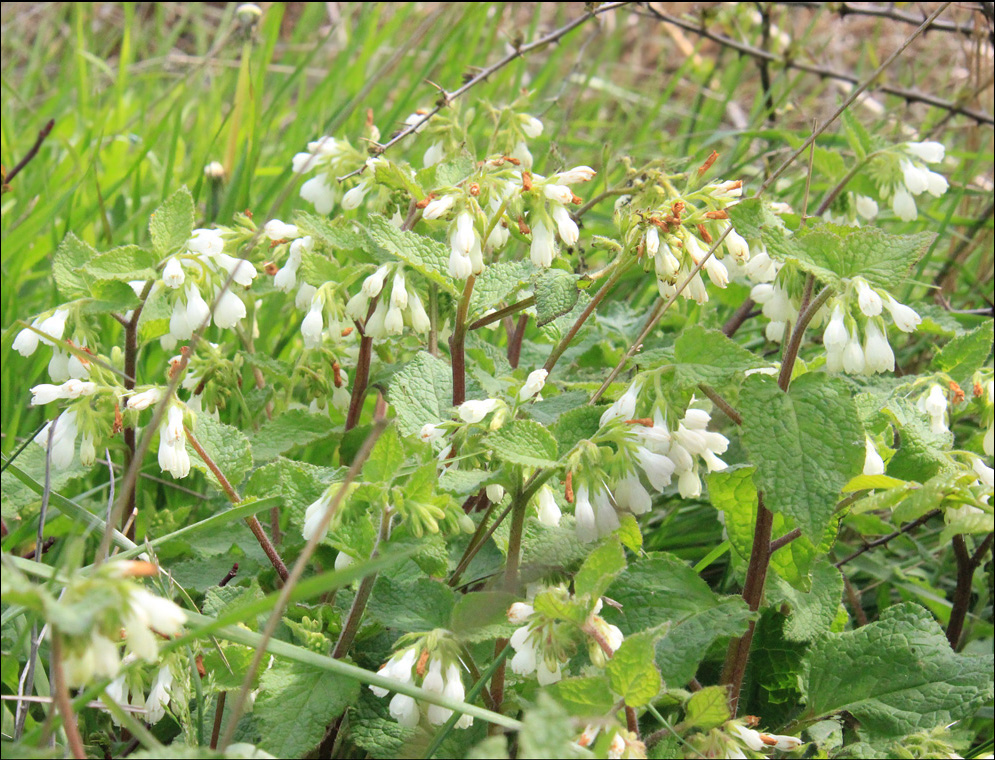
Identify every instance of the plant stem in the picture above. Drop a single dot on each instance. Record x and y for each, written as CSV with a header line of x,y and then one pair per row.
x,y
966,565
567,339
457,343
351,626
885,539
515,344
721,403
233,497
130,368
502,313
520,507
362,375
295,575
219,711
738,653
61,696
756,575
732,325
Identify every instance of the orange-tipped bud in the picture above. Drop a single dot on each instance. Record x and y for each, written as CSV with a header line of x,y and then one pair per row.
x,y
708,163
568,488
704,234
720,213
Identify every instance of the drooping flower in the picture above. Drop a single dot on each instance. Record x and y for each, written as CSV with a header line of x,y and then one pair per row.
x,y
475,410
533,384
873,463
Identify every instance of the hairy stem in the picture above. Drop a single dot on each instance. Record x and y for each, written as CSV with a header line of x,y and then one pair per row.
x,y
295,575
233,497
351,626
362,374
500,314
61,696
567,339
457,343
967,563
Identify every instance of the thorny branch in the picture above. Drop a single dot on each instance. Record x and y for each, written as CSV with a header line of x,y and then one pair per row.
x,y
911,96
447,98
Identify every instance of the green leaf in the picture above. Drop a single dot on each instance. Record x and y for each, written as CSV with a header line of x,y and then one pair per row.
x,y
296,704
753,219
577,424
631,671
922,453
498,283
599,569
226,445
547,732
423,254
734,492
452,172
172,223
707,709
338,234
68,266
556,294
559,606
708,356
481,615
812,613
129,262
868,482
587,696
806,444
421,393
965,354
385,459
896,675
419,605
109,295
295,427
397,176
664,589
833,254
523,442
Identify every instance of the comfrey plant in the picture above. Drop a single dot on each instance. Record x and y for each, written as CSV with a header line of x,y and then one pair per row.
x,y
431,377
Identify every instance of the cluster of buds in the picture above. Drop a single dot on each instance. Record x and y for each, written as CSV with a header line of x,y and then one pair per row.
x,y
621,744
543,645
675,234
429,662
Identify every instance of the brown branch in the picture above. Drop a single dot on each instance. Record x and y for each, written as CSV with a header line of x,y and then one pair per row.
x,y
447,98
784,540
743,313
886,539
515,342
233,497
966,565
893,14
43,133
62,702
911,96
502,313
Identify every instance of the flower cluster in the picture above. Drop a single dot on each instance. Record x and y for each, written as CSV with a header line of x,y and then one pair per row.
x,y
841,337
142,615
394,309
544,645
915,177
329,157
204,267
652,446
433,668
128,690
